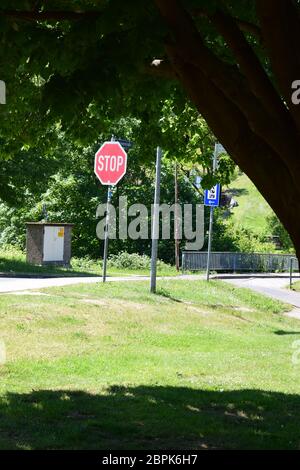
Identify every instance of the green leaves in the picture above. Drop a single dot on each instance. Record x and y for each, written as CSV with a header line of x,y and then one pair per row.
x,y
187,138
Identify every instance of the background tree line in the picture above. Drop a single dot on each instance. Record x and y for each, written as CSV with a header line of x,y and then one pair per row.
x,y
61,180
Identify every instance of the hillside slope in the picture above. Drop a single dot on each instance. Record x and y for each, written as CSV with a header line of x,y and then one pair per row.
x,y
252,211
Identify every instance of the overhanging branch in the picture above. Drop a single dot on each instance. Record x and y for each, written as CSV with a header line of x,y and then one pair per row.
x,y
249,151
280,23
250,65
262,120
243,25
50,15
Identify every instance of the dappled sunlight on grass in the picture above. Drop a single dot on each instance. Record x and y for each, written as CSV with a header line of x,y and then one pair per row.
x,y
150,417
189,363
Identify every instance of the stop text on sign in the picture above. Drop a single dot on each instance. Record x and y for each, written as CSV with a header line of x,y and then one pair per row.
x,y
110,163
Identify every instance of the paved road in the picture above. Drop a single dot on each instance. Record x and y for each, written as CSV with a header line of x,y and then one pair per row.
x,y
272,286
13,284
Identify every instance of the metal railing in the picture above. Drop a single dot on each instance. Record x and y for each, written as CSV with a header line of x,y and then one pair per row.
x,y
239,262
293,261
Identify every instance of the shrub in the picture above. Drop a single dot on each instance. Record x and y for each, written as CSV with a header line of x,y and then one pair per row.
x,y
126,260
86,264
276,228
246,241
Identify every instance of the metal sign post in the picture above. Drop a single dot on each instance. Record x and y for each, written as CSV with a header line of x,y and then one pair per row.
x,y
106,236
211,224
212,199
155,222
110,166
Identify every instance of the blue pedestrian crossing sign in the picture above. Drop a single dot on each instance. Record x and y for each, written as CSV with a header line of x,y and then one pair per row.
x,y
212,196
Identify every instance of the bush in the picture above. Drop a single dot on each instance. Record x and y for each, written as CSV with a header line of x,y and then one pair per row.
x,y
276,228
126,260
246,241
12,252
86,264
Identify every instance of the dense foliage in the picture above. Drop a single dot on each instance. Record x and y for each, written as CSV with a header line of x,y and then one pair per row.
x,y
73,75
75,68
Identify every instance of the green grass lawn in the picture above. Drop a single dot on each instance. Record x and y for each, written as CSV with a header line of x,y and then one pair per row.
x,y
113,367
253,210
13,261
295,286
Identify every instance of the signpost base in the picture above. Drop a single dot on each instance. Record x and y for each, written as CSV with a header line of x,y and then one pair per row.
x,y
106,238
211,223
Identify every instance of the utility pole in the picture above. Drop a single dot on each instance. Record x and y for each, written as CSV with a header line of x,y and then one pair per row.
x,y
177,243
155,222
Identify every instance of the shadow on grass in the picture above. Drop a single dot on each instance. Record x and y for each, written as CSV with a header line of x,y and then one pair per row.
x,y
167,295
150,417
19,268
286,333
238,192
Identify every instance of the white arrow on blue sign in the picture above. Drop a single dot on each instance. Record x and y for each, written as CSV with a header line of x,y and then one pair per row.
x,y
212,196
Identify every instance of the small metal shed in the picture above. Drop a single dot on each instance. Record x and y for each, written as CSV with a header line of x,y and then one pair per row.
x,y
48,243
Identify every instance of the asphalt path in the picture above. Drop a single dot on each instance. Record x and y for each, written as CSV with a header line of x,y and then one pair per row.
x,y
16,284
275,286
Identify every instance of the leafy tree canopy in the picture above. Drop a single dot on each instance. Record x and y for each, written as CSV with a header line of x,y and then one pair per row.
x,y
82,63
79,64
72,69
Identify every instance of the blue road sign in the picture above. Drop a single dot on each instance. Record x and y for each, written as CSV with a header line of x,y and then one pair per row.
x,y
212,196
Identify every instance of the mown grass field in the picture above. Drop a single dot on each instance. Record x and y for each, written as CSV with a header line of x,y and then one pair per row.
x,y
252,211
113,367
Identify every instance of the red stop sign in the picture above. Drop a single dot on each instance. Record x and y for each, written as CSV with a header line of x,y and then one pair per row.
x,y
110,163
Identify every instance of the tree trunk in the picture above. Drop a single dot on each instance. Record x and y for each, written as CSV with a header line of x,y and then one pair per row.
x,y
240,104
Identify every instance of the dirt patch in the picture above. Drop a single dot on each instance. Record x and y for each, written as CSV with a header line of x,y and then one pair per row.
x,y
196,309
121,304
242,309
29,292
96,302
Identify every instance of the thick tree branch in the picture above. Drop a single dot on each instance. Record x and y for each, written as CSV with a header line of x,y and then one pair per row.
x,y
243,25
265,124
248,27
251,154
280,23
228,122
259,82
248,150
250,65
